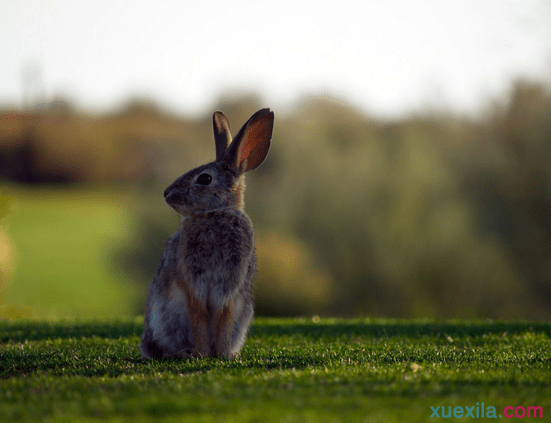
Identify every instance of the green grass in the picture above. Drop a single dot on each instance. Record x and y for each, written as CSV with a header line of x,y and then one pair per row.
x,y
290,370
64,241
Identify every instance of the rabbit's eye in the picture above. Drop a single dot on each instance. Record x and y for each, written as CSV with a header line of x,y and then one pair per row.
x,y
204,179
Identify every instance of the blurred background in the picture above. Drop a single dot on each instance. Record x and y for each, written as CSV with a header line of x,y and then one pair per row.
x,y
409,175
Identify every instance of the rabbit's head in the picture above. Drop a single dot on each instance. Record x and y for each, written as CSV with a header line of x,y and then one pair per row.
x,y
219,185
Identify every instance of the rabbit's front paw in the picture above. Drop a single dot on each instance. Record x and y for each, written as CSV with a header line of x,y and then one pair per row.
x,y
188,352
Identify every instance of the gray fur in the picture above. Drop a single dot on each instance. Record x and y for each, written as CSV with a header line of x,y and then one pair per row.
x,y
200,301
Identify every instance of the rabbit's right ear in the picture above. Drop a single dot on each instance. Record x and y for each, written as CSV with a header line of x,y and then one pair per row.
x,y
250,146
222,135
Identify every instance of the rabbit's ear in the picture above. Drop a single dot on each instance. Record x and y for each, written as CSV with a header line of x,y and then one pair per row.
x,y
222,135
251,145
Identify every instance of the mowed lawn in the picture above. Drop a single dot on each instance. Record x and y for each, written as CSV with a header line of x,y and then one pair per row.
x,y
290,370
64,243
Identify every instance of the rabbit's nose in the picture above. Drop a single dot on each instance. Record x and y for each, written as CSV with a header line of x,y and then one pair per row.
x,y
170,197
173,198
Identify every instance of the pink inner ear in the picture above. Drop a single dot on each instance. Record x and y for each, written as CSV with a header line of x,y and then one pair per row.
x,y
255,144
245,151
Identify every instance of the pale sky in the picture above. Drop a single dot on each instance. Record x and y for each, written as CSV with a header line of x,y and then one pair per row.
x,y
386,57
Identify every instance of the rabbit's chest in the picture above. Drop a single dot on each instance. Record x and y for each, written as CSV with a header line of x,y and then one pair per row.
x,y
211,256
216,242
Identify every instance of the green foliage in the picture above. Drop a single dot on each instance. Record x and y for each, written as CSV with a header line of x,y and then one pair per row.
x,y
384,207
508,188
290,370
430,216
289,281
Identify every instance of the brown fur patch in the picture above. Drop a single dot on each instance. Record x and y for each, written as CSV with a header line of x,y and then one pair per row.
x,y
198,317
223,324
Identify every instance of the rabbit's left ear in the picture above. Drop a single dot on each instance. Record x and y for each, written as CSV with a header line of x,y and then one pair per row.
x,y
251,145
222,135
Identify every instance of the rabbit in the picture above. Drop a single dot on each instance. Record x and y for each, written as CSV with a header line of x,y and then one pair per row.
x,y
200,302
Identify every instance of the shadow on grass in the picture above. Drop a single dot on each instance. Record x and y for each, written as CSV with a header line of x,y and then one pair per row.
x,y
396,328
30,330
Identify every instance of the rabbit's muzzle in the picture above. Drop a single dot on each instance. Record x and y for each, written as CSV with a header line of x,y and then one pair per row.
x,y
173,198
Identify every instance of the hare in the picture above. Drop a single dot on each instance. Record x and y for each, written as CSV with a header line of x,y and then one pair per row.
x,y
200,301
